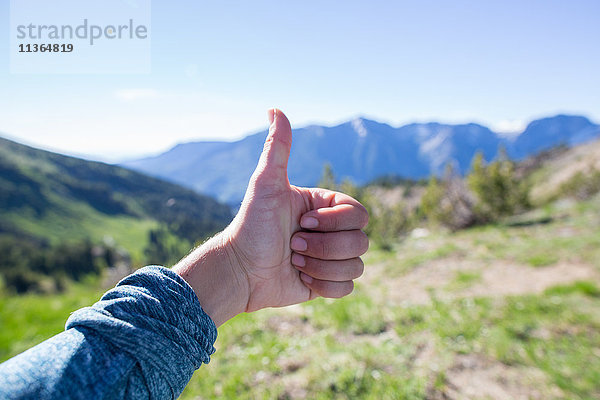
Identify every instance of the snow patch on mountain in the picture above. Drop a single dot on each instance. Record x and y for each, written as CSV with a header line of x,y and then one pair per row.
x,y
359,127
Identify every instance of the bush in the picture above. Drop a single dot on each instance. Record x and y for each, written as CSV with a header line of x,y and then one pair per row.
x,y
386,224
448,202
431,202
499,193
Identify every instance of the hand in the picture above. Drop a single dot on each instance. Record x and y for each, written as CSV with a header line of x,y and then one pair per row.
x,y
286,245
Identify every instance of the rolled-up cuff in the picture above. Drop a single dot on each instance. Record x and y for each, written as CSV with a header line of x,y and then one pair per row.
x,y
154,316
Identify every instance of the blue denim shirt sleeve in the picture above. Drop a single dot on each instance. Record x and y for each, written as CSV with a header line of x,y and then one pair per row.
x,y
143,340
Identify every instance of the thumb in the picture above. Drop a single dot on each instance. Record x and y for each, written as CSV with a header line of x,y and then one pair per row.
x,y
274,158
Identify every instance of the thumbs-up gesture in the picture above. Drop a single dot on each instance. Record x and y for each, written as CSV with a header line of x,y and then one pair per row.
x,y
286,245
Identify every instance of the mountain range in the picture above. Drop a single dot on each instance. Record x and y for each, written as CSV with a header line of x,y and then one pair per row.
x,y
360,150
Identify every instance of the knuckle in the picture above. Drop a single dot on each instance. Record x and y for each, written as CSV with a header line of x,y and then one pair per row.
x,y
333,224
309,265
315,267
323,247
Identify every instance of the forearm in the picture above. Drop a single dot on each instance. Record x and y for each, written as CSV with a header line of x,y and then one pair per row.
x,y
145,338
213,271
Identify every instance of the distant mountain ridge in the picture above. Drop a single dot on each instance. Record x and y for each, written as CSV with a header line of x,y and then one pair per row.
x,y
360,150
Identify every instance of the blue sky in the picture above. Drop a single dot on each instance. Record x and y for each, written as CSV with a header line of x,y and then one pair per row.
x,y
218,66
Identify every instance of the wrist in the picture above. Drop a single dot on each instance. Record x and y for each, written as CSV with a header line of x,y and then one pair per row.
x,y
213,272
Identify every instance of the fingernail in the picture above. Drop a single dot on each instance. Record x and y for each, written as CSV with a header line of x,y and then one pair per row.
x,y
306,278
309,222
298,244
298,260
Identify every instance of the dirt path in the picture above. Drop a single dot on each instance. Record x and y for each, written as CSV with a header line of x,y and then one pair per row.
x,y
475,377
494,279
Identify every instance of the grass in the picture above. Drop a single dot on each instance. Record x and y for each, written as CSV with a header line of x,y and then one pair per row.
x,y
556,332
30,319
583,287
541,259
464,279
408,256
254,362
354,314
422,257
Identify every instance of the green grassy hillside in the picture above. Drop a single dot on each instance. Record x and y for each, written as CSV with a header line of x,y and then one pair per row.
x,y
48,199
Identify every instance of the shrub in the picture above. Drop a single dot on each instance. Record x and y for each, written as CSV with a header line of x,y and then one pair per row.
x,y
499,193
448,202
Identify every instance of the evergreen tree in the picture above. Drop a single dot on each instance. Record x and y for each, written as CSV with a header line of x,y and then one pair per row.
x,y
327,178
164,248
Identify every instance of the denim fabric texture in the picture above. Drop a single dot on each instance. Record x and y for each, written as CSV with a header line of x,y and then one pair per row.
x,y
143,340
